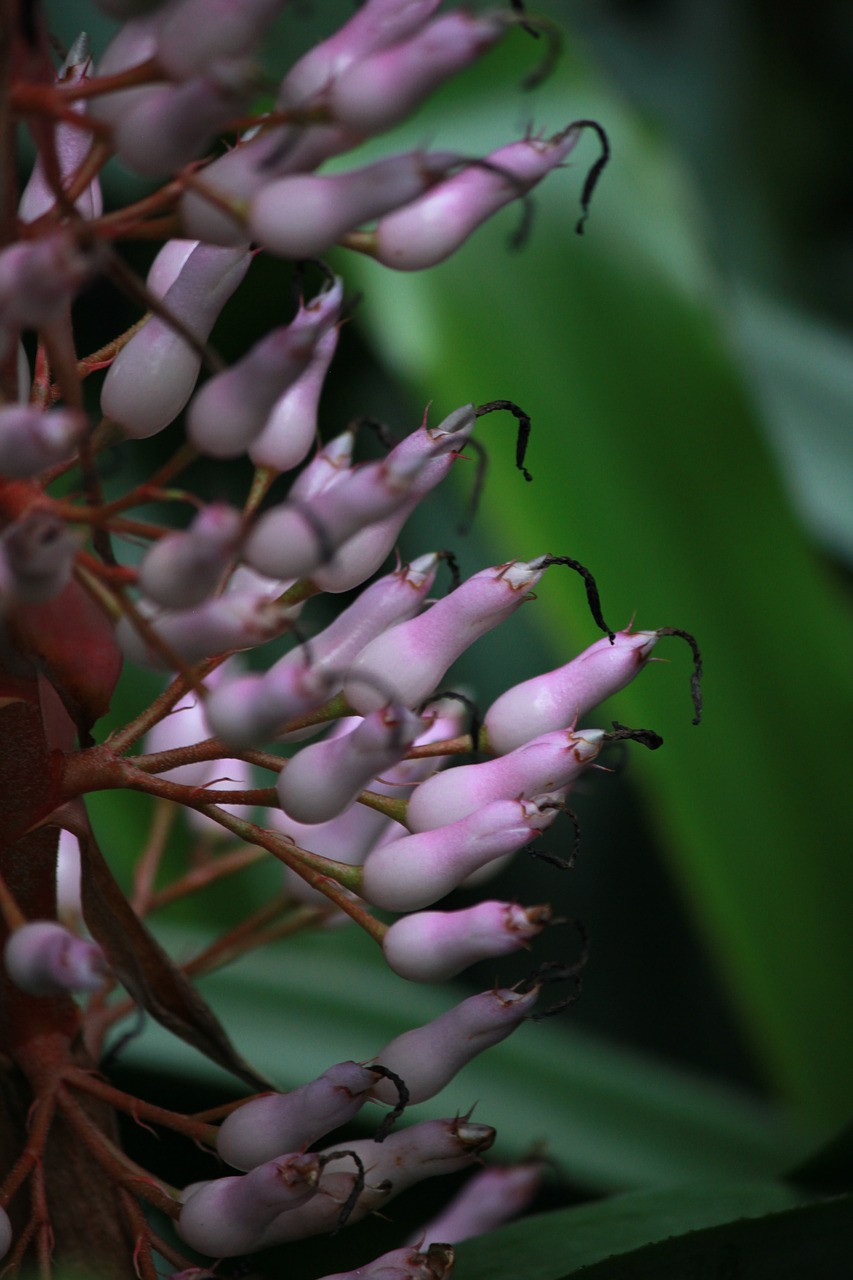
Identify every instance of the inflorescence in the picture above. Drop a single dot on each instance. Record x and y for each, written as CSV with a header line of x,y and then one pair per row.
x,y
362,812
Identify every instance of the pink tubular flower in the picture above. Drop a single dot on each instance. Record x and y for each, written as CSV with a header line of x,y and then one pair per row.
x,y
254,708
433,946
377,24
241,173
323,779
152,378
229,1215
559,698
71,144
409,1263
423,1151
417,870
548,763
38,281
302,216
427,1058
298,537
39,552
378,91
232,409
389,600
488,1200
414,656
230,623
352,834
291,427
44,958
170,126
183,569
363,553
278,1122
430,229
183,727
195,33
32,439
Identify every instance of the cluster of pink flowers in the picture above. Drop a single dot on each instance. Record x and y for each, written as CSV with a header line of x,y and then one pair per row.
x,y
365,816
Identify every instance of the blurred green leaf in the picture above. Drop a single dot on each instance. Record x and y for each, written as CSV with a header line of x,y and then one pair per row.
x,y
802,370
649,467
610,1118
830,1167
755,1232
552,1245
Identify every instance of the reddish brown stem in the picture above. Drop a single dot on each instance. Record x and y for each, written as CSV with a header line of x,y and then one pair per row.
x,y
41,1219
143,1260
249,935
200,877
115,1163
40,1121
87,1082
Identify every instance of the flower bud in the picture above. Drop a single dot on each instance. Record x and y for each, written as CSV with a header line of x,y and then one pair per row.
x,y
44,959
385,602
71,145
329,465
377,23
39,279
291,428
265,1127
548,763
39,551
559,698
352,834
376,92
69,907
194,33
238,620
255,708
183,569
433,946
303,215
134,43
32,439
402,1160
417,870
153,376
232,409
168,127
430,229
250,166
423,1150
408,1263
229,1215
488,1200
413,656
185,726
298,537
427,1058
319,782
167,266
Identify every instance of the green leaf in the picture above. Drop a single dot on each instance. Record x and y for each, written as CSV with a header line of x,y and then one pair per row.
x,y
830,1167
650,467
803,372
811,1240
552,1245
610,1118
